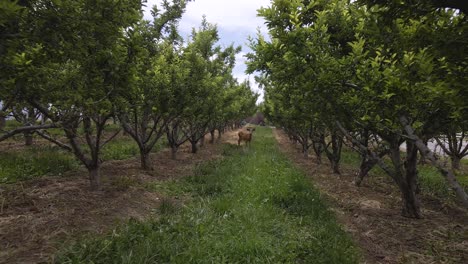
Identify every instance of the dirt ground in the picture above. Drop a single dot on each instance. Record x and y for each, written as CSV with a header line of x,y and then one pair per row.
x,y
371,214
39,216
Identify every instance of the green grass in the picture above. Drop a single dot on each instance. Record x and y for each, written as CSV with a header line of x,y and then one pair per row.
x,y
433,183
350,157
252,206
120,149
11,124
125,147
35,162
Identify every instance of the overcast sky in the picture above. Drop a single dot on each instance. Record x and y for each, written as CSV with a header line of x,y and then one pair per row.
x,y
236,21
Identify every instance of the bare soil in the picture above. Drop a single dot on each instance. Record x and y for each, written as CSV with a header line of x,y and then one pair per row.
x,y
371,214
38,217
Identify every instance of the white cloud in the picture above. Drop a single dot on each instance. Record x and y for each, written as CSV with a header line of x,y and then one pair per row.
x,y
236,21
232,15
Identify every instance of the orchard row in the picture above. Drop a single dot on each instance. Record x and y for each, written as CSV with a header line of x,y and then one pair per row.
x,y
371,74
72,66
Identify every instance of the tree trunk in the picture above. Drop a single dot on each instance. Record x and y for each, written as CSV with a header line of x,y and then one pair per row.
x,y
366,165
335,155
28,138
422,158
194,146
2,121
318,151
212,139
336,167
318,147
319,159
174,152
95,178
411,206
305,148
406,178
455,162
145,160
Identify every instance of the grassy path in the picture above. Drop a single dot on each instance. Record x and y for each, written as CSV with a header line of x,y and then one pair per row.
x,y
253,206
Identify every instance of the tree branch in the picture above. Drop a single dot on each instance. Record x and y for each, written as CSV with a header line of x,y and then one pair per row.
x,y
26,129
53,140
442,145
109,139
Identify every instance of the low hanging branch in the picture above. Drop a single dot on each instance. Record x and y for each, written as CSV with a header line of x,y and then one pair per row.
x,y
46,136
26,129
428,154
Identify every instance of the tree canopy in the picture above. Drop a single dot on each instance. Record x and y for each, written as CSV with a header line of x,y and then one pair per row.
x,y
349,69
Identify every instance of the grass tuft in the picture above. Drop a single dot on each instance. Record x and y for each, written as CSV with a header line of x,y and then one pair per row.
x,y
167,207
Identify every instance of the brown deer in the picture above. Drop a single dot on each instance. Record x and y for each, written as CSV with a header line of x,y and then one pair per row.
x,y
245,136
